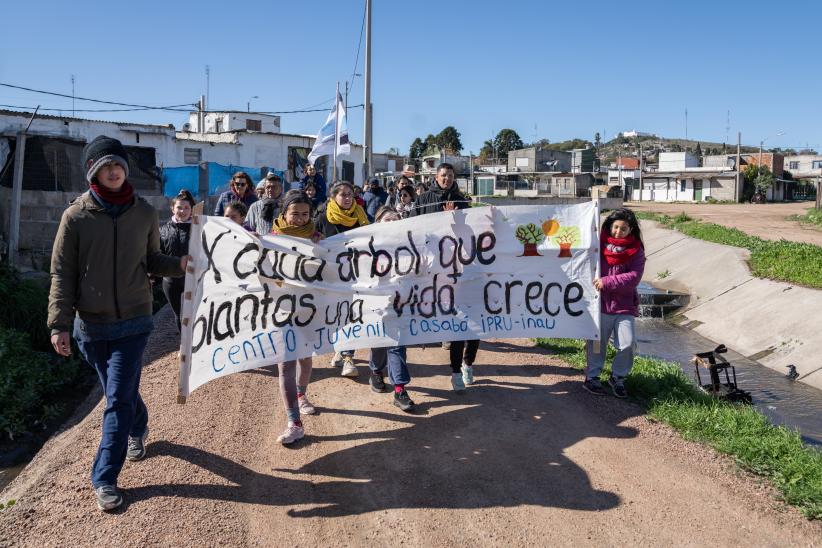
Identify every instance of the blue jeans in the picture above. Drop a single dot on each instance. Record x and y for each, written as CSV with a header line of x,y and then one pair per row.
x,y
394,358
118,364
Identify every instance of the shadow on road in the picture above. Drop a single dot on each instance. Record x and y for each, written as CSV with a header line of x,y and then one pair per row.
x,y
500,444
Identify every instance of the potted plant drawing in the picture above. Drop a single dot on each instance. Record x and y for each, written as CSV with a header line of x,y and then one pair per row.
x,y
529,236
565,238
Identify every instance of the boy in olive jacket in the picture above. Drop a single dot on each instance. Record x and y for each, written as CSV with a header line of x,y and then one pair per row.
x,y
107,245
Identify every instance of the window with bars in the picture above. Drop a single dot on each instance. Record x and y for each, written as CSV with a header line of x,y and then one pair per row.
x,y
192,155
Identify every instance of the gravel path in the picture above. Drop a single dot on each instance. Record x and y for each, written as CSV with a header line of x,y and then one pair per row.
x,y
767,221
525,457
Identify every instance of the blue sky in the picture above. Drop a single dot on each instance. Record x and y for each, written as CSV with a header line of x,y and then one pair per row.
x,y
550,69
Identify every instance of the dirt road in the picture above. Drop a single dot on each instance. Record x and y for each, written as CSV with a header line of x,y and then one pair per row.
x,y
767,221
524,457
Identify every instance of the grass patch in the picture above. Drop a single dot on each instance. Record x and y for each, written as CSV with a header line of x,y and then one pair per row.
x,y
783,260
740,431
35,383
813,217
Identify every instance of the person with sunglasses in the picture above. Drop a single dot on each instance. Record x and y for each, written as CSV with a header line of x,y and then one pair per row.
x,y
241,189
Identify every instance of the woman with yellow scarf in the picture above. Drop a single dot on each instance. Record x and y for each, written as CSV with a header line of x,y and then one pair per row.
x,y
295,220
339,214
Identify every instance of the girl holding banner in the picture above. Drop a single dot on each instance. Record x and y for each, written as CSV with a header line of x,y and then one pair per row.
x,y
393,358
336,216
295,220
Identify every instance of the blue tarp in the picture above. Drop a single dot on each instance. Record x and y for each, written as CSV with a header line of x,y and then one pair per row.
x,y
177,178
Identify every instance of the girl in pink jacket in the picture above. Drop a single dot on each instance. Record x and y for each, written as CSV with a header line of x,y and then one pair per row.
x,y
622,262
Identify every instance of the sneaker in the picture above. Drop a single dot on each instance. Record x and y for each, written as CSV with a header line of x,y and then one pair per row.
x,y
306,407
446,345
467,374
137,447
291,434
348,367
456,382
337,360
594,386
403,401
108,497
377,383
618,387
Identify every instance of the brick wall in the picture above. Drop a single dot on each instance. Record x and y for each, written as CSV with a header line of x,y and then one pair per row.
x,y
40,213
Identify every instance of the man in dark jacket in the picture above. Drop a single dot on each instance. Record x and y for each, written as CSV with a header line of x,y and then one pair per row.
x,y
375,197
445,196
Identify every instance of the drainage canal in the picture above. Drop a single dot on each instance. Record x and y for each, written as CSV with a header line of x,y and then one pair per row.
x,y
784,401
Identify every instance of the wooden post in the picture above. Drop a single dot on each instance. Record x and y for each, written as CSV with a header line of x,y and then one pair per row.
x,y
818,193
16,196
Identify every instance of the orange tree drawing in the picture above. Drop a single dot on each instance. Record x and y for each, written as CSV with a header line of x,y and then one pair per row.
x,y
566,237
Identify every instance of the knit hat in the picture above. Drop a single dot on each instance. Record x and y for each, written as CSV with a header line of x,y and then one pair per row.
x,y
103,150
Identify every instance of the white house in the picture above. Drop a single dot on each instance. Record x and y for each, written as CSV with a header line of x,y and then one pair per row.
x,y
804,165
676,161
689,185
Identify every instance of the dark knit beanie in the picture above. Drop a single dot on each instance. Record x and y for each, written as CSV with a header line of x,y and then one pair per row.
x,y
101,151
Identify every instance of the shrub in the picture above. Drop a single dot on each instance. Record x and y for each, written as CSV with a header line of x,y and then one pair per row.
x,y
31,383
24,307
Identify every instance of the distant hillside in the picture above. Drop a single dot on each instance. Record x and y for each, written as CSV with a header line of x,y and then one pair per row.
x,y
652,145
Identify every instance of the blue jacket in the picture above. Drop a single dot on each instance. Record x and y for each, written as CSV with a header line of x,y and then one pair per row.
x,y
319,183
227,197
373,201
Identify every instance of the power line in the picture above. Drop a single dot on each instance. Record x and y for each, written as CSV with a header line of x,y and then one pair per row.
x,y
359,44
142,107
93,109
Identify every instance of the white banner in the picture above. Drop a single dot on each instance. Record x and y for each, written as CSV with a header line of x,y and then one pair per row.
x,y
517,271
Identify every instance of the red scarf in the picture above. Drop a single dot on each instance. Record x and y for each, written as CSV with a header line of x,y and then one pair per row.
x,y
116,197
618,250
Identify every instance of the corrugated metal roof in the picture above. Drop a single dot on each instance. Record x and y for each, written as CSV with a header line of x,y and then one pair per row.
x,y
25,114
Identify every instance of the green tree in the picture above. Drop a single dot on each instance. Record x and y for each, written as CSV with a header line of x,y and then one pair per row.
x,y
431,146
506,141
417,148
698,154
449,140
487,150
597,141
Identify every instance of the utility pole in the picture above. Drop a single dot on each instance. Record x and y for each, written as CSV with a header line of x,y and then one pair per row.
x,y
738,192
640,171
72,96
17,191
367,151
686,127
208,85
201,114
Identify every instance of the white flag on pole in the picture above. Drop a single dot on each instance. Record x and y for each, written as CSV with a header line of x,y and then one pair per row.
x,y
335,126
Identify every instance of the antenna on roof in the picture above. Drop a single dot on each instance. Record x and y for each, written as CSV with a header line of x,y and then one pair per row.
x,y
208,85
72,96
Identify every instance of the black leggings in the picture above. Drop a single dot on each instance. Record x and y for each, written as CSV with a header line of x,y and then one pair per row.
x,y
173,290
457,347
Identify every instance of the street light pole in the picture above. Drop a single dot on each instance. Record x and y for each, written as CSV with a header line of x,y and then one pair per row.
x,y
248,103
761,143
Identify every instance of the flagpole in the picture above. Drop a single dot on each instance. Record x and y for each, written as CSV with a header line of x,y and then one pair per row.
x,y
336,133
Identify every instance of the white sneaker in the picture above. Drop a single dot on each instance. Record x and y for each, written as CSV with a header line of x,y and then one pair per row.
x,y
291,434
467,374
456,382
348,367
306,407
337,360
